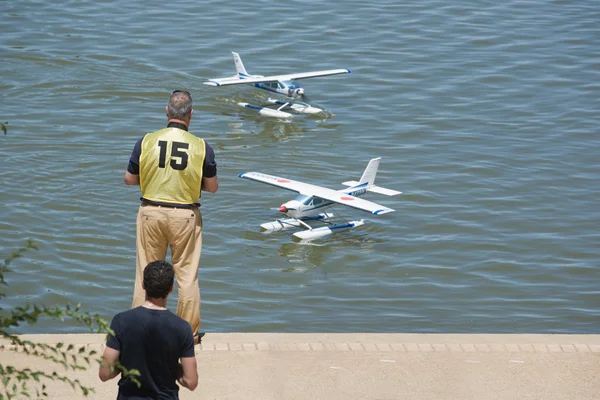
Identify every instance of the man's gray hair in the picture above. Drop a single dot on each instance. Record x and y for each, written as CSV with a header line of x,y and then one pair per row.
x,y
180,105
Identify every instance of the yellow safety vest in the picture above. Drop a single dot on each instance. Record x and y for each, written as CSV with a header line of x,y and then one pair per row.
x,y
171,166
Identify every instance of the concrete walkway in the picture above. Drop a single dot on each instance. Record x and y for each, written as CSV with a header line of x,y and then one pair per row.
x,y
264,366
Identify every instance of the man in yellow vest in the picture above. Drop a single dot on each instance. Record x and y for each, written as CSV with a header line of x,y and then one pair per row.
x,y
172,166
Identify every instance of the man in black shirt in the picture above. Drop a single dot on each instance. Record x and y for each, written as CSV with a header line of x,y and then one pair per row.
x,y
152,340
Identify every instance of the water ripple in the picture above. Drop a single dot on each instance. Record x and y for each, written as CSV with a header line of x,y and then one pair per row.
x,y
485,116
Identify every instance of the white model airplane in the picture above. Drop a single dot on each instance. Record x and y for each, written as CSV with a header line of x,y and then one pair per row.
x,y
283,85
312,200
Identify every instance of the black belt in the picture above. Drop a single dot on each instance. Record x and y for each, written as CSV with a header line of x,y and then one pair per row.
x,y
184,206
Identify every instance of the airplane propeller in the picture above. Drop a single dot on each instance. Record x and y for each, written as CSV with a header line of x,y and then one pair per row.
x,y
305,98
295,93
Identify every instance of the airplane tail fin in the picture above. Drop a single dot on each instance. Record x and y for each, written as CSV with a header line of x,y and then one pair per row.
x,y
239,66
368,177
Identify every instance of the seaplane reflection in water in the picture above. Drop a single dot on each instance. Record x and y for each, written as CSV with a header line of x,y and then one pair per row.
x,y
309,206
283,86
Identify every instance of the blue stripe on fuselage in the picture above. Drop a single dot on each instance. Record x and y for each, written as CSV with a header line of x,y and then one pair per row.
x,y
352,192
357,190
261,86
319,206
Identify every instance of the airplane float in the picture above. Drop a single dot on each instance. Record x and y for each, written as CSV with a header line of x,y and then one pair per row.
x,y
311,202
282,85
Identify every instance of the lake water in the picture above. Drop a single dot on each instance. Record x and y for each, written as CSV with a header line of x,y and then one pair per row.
x,y
486,116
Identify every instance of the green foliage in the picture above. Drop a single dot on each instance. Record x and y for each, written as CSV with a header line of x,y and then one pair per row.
x,y
27,383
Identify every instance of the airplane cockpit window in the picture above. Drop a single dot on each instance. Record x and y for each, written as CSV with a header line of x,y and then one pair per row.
x,y
280,85
303,199
318,201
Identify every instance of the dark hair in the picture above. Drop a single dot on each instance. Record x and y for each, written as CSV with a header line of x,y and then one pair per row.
x,y
180,104
158,279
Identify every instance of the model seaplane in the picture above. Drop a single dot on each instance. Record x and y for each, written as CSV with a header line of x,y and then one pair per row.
x,y
283,85
309,206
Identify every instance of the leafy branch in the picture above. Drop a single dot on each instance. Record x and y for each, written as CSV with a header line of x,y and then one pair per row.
x,y
15,382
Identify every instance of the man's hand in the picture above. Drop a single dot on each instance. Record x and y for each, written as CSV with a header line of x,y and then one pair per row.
x,y
107,368
210,184
189,378
131,179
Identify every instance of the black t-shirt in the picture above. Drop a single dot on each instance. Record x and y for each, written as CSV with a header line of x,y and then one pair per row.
x,y
151,341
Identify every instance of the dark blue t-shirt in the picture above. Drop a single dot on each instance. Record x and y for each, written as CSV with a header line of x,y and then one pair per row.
x,y
151,341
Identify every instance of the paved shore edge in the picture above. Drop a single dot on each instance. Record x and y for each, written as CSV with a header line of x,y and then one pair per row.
x,y
425,342
369,366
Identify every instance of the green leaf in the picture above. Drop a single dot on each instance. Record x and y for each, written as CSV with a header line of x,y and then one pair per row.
x,y
68,356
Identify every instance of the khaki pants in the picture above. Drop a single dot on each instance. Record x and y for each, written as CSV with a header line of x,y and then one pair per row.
x,y
181,229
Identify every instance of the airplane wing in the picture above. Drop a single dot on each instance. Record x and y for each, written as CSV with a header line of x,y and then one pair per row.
x,y
318,191
274,78
235,80
314,74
